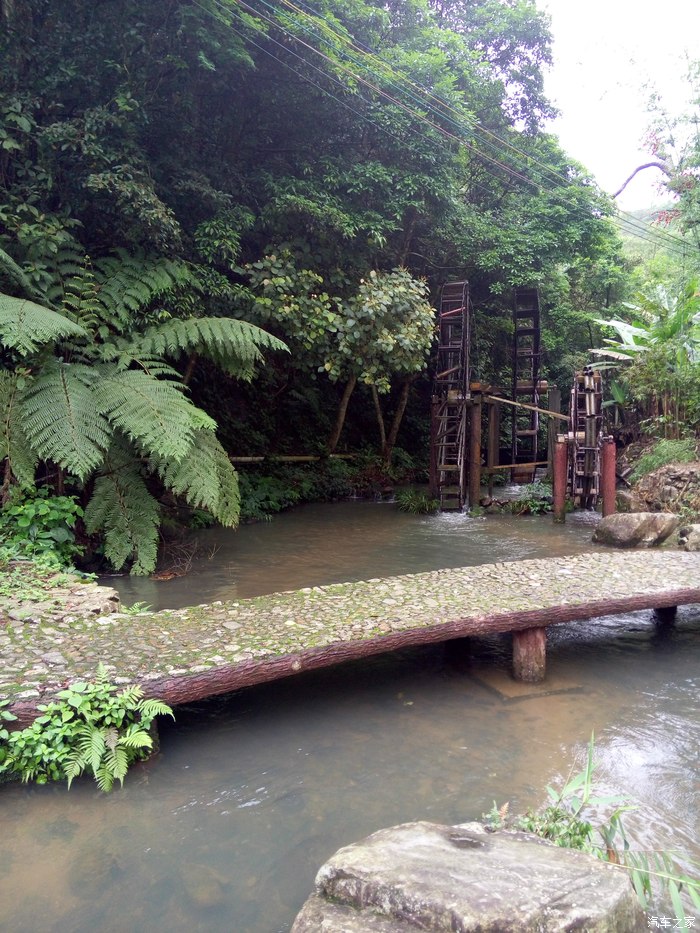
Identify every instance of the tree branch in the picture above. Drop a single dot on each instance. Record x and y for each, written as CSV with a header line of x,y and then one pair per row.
x,y
640,168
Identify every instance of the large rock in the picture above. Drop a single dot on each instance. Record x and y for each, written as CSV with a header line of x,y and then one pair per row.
x,y
689,537
429,877
635,529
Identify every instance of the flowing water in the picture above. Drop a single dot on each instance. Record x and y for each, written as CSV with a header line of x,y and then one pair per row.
x,y
225,829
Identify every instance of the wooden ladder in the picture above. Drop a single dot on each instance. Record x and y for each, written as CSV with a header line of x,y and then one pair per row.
x,y
448,430
526,369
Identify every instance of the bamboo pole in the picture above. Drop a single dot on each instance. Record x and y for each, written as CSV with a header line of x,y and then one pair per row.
x,y
542,411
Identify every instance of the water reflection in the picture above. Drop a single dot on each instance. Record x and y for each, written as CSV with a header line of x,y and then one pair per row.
x,y
227,827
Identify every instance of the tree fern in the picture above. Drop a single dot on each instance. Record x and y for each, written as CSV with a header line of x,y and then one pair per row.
x,y
205,480
14,444
125,513
154,412
103,402
234,345
26,327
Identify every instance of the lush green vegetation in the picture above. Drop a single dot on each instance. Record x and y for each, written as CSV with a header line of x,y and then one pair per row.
x,y
92,728
662,453
416,501
187,190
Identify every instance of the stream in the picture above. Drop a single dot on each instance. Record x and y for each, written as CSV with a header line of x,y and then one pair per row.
x,y
225,829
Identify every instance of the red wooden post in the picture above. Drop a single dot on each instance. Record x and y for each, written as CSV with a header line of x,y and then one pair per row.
x,y
559,478
530,655
608,459
475,452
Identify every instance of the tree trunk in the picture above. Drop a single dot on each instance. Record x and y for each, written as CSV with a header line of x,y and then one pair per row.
x,y
380,418
397,419
342,410
189,372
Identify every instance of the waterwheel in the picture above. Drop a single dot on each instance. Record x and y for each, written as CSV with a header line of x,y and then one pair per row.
x,y
585,433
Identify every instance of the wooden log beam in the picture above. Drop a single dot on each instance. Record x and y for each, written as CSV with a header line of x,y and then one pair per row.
x,y
542,411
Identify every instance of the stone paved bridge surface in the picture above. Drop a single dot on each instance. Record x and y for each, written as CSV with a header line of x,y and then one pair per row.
x,y
188,654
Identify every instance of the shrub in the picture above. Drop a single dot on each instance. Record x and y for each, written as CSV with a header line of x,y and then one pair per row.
x,y
35,524
92,728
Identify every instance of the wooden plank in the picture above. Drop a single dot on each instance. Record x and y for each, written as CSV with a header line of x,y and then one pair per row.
x,y
512,466
301,458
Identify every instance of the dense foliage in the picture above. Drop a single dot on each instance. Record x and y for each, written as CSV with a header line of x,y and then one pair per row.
x,y
317,172
92,727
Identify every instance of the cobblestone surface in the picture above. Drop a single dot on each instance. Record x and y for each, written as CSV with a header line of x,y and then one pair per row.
x,y
40,654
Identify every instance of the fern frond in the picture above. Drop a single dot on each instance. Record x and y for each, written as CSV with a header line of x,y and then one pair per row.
x,y
205,479
61,418
123,510
117,762
13,278
104,779
130,283
74,766
129,697
97,741
14,445
233,345
152,708
138,739
154,412
26,326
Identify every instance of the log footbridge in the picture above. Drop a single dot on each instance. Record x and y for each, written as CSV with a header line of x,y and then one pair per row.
x,y
188,654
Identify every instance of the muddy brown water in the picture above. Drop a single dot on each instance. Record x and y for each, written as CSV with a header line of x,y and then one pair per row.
x,y
226,828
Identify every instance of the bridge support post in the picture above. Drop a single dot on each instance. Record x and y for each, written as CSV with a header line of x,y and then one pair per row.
x,y
530,655
475,452
665,615
608,460
559,479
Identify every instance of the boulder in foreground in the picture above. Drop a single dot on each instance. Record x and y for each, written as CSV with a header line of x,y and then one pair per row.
x,y
635,529
430,877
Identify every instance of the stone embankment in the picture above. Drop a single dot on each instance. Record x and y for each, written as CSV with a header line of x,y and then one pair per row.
x,y
201,651
672,488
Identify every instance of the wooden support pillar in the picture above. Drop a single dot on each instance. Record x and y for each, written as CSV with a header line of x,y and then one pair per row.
x,y
665,615
494,438
559,478
553,404
608,459
530,655
475,452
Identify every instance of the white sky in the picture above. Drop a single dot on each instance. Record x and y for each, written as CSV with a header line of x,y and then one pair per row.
x,y
608,57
